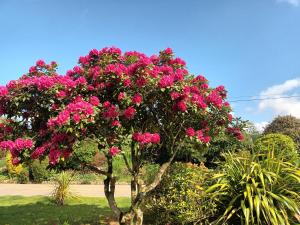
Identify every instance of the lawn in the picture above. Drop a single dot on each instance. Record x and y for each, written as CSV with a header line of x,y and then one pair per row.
x,y
16,210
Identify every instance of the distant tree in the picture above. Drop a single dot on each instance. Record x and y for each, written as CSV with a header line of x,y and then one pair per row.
x,y
288,125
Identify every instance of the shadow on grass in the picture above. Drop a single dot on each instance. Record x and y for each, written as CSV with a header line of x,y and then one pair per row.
x,y
46,212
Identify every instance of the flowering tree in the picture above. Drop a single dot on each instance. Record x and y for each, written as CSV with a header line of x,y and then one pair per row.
x,y
150,104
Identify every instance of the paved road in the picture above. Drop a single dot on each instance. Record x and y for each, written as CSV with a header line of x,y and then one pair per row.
x,y
46,189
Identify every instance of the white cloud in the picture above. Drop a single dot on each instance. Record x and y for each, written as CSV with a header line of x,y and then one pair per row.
x,y
291,2
261,126
279,105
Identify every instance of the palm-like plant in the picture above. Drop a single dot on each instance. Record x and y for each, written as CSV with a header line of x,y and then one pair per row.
x,y
257,189
62,187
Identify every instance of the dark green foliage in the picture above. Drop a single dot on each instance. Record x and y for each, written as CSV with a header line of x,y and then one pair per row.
x,y
283,146
39,171
83,153
288,125
180,197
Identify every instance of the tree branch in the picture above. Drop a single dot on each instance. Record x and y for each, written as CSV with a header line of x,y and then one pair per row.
x,y
145,189
96,170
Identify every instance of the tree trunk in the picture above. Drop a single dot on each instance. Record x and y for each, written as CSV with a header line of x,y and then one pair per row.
x,y
134,217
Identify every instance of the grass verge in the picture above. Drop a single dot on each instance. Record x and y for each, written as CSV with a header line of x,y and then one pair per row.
x,y
38,210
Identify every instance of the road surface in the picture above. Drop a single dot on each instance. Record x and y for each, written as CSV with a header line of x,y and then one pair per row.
x,y
47,189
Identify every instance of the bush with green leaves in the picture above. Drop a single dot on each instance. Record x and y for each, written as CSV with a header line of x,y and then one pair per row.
x,y
282,145
39,171
288,125
254,190
180,198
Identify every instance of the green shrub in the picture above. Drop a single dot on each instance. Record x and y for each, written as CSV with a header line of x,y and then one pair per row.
x,y
254,190
62,187
86,178
283,146
23,176
39,170
180,198
288,125
149,171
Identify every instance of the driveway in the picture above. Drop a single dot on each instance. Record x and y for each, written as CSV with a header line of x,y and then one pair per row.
x,y
46,189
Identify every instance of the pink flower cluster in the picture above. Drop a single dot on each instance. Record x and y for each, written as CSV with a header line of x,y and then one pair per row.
x,y
190,132
59,146
129,113
43,82
40,66
215,99
137,99
146,138
77,110
236,132
111,111
3,91
117,69
114,151
16,147
95,54
38,152
166,81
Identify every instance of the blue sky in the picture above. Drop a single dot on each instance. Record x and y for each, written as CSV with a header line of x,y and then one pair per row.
x,y
250,46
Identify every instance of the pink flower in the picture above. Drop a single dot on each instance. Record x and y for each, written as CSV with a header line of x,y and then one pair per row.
x,y
141,82
81,81
127,82
155,139
106,104
236,132
114,151
15,161
116,123
61,94
206,139
111,112
38,152
21,144
32,69
174,95
129,113
168,51
137,99
166,81
146,138
181,106
76,118
94,101
40,63
7,145
93,52
190,132
3,91
230,117
121,96
199,134
84,60
54,156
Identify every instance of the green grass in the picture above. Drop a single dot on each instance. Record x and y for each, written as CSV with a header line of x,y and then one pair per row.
x,y
16,210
